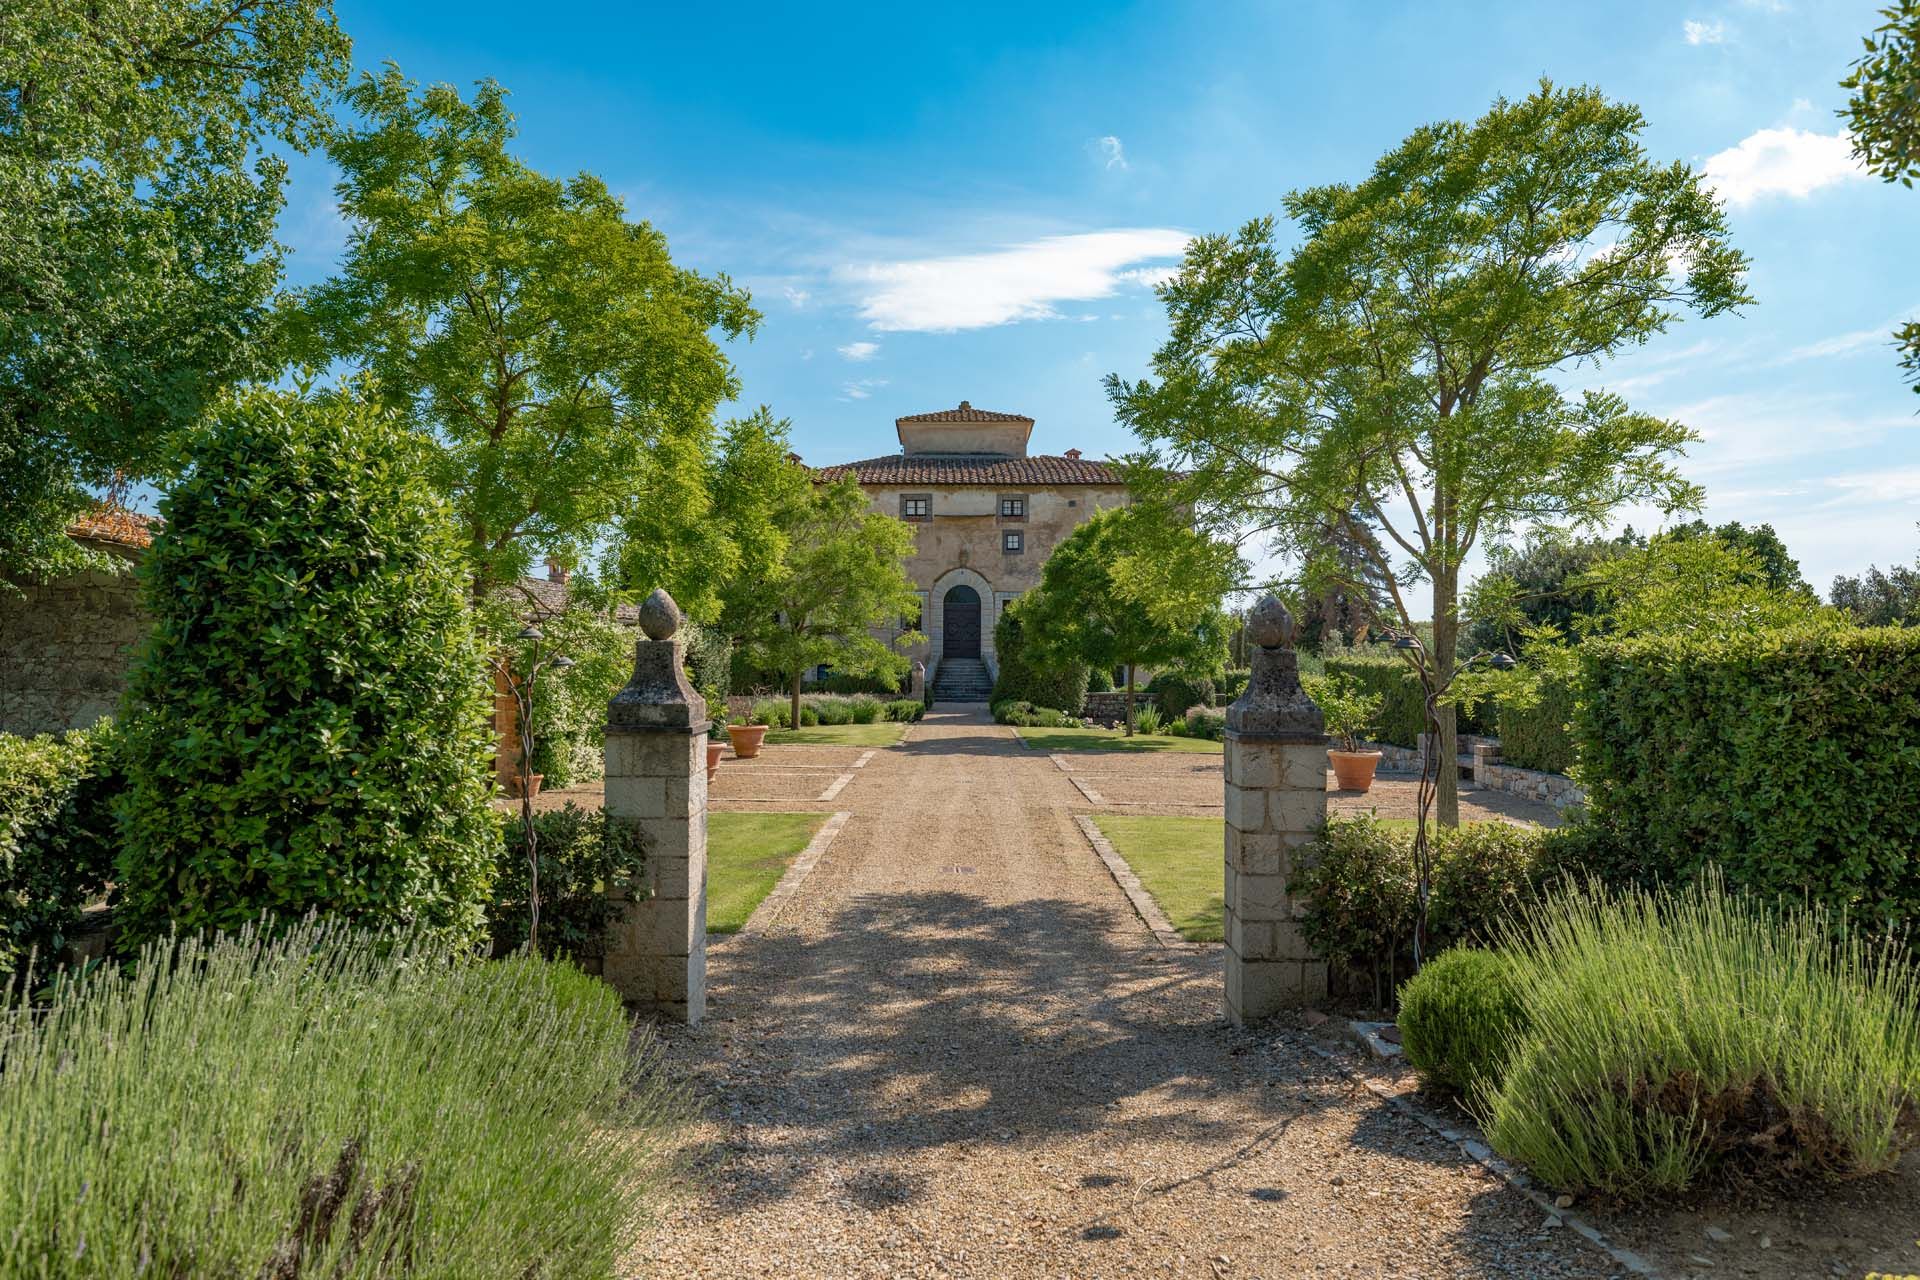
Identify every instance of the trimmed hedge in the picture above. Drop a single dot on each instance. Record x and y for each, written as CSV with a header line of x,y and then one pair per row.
x,y
57,837
1536,730
1788,758
1460,1019
1020,680
1403,713
1175,692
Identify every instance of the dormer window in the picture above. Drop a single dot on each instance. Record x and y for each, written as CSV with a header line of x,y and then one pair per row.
x,y
1013,506
916,506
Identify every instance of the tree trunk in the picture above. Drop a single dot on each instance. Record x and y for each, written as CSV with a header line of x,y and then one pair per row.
x,y
1129,732
796,695
1446,629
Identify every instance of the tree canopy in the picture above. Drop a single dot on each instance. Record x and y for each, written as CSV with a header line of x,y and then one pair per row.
x,y
1131,587
1884,117
839,572
551,348
1399,375
1876,599
138,263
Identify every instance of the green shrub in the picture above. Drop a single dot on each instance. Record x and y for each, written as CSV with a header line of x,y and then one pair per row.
x,y
1233,683
1175,691
311,724
832,710
582,855
1534,714
1351,713
1020,679
322,1106
1460,1018
570,705
1403,715
1099,680
1700,1035
837,682
1785,758
1358,877
1205,722
1027,716
905,710
865,710
1147,719
57,837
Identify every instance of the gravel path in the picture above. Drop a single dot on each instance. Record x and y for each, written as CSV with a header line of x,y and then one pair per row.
x,y
959,1052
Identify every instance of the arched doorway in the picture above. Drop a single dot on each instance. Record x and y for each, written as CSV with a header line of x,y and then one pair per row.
x,y
960,622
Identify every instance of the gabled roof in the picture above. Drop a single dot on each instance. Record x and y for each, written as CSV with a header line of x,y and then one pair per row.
x,y
112,523
974,469
964,413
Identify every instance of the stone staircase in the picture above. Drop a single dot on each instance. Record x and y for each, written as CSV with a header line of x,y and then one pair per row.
x,y
962,680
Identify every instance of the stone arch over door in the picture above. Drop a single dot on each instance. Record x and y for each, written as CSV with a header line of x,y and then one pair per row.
x,y
933,621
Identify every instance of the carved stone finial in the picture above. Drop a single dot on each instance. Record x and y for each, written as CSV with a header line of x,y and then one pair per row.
x,y
1270,624
659,615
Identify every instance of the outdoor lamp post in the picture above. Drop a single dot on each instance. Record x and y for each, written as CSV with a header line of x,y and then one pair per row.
x,y
522,688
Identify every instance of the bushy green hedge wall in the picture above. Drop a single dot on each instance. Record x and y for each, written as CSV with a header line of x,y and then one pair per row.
x,y
1403,714
1788,758
311,715
57,838
1019,680
1176,691
1536,733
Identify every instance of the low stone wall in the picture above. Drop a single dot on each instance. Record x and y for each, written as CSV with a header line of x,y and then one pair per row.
x,y
1555,789
65,649
1110,708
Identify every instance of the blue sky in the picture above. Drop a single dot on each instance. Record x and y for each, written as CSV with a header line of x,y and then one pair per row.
x,y
972,201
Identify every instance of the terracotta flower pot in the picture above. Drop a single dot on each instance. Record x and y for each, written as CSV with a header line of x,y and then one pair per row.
x,y
1353,770
747,739
714,751
533,784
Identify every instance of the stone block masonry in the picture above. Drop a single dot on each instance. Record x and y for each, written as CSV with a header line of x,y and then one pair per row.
x,y
65,649
1276,801
656,785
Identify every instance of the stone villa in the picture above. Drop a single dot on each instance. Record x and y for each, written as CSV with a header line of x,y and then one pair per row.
x,y
987,514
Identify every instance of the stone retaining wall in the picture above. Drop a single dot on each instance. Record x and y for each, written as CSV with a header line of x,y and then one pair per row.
x,y
65,649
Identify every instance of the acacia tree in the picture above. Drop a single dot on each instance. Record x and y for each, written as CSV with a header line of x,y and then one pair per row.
x,y
138,261
1884,118
839,573
1399,367
552,349
1131,587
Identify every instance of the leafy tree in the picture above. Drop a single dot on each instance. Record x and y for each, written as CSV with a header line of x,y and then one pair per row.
x,y
1771,566
1402,365
552,349
138,258
1131,588
308,726
1876,599
838,575
1681,581
1541,584
1884,118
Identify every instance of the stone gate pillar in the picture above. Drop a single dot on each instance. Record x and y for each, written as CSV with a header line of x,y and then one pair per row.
x,y
657,786
1276,801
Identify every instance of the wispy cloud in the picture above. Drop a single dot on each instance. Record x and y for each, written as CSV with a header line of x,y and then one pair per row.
x,y
796,298
1848,344
1898,484
861,388
858,351
1704,32
1006,285
1786,161
1108,153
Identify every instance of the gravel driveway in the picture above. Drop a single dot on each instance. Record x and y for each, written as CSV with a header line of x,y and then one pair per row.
x,y
959,1053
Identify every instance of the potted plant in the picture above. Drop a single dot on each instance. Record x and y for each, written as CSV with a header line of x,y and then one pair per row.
x,y
748,737
716,745
1350,713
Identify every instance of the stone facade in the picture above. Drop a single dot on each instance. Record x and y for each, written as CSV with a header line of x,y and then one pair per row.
x,y
67,645
1276,802
986,513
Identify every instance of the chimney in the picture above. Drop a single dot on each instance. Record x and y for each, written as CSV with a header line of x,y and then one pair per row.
x,y
557,572
966,404
1074,454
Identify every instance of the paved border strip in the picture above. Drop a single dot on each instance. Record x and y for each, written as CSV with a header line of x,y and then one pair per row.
x,y
796,873
838,785
1086,789
1143,904
869,754
1478,1152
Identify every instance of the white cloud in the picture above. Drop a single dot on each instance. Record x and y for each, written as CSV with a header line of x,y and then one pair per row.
x,y
1108,152
1006,285
1900,484
858,351
797,297
861,388
1787,161
1848,344
1704,32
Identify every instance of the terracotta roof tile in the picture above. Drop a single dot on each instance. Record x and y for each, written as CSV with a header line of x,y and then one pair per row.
x,y
973,469
115,524
964,413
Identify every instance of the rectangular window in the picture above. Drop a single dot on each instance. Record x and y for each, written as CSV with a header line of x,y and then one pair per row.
x,y
1013,506
916,506
1013,543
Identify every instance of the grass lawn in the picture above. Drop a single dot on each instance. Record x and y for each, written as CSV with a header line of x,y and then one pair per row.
x,y
746,854
880,734
1111,740
1179,861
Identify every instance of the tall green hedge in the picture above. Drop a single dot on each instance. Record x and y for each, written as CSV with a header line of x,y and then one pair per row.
x,y
308,724
57,838
1403,712
1022,680
1536,730
1788,758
